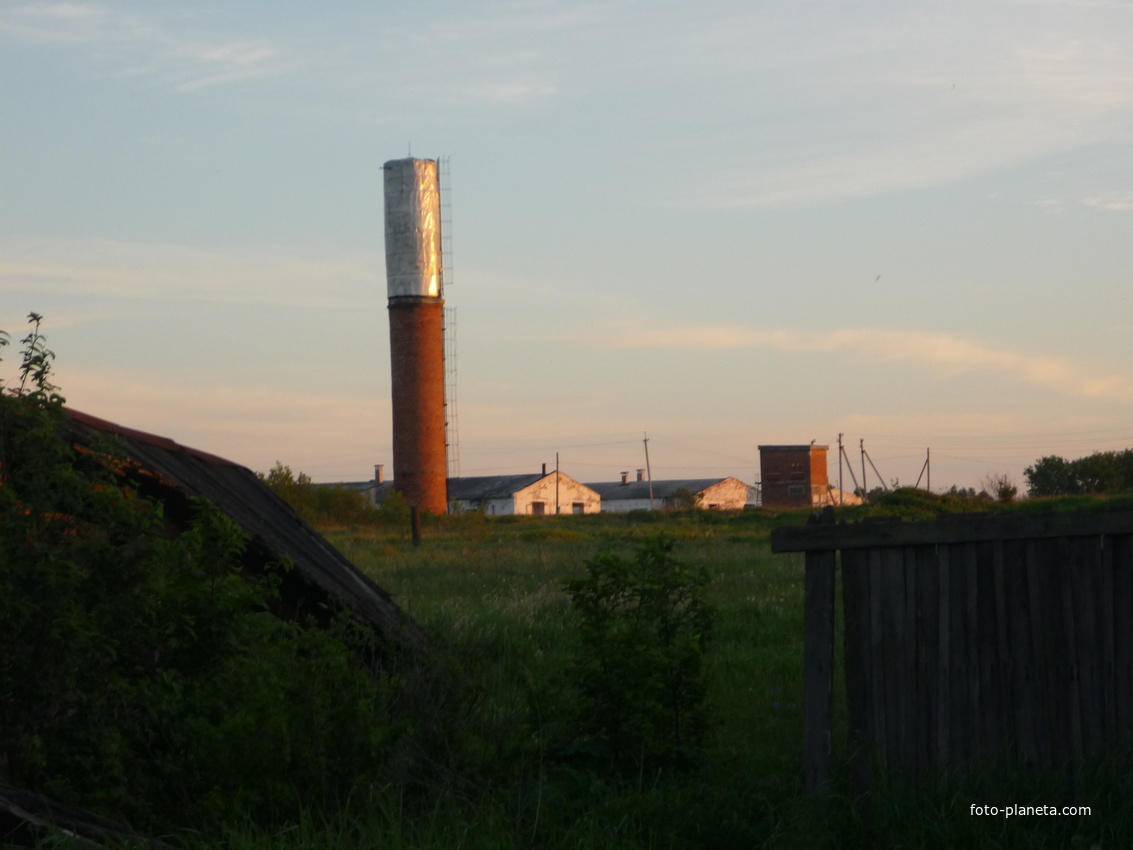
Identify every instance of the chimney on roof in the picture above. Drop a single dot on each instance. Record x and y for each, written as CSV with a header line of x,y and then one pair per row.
x,y
641,475
544,470
625,477
379,473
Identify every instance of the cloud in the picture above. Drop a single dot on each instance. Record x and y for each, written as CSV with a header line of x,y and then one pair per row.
x,y
1113,202
115,269
53,22
138,46
216,64
950,354
921,96
474,57
511,92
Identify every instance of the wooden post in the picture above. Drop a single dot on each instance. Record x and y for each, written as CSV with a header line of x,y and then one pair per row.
x,y
818,662
1123,637
415,525
856,618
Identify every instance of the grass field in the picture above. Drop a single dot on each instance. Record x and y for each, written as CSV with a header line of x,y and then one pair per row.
x,y
490,593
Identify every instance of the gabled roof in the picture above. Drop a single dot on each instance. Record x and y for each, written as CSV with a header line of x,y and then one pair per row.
x,y
482,487
612,491
360,486
171,473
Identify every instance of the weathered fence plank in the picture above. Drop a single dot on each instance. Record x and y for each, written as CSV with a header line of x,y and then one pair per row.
x,y
1058,637
987,704
909,693
1025,685
927,647
818,667
1086,570
1103,606
1122,604
1048,618
855,641
973,638
879,728
944,656
959,674
1006,686
964,528
888,594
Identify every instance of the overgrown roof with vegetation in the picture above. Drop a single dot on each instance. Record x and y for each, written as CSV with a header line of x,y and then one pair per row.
x,y
172,474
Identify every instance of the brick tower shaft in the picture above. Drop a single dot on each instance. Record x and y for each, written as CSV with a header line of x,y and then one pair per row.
x,y
418,391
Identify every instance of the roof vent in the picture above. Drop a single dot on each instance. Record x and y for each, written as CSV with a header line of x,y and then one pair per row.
x,y
625,477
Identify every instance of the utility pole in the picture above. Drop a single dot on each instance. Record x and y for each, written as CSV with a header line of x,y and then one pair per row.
x,y
841,492
927,468
850,469
880,477
865,490
648,471
556,482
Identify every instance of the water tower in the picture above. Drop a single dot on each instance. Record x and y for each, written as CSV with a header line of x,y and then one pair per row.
x,y
415,287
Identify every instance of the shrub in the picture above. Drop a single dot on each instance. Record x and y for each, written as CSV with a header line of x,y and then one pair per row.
x,y
644,623
142,673
1102,473
683,499
319,504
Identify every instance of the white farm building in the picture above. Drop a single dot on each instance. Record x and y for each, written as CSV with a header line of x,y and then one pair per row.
x,y
534,494
725,494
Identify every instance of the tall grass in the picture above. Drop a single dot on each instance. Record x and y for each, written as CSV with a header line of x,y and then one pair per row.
x,y
490,593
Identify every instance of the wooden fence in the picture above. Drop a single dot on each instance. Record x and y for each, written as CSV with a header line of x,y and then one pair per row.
x,y
1001,638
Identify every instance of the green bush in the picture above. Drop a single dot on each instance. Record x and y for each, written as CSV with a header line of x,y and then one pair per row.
x,y
911,503
321,504
638,669
1102,473
142,673
683,499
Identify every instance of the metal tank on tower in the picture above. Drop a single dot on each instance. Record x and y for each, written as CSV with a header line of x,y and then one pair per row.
x,y
415,287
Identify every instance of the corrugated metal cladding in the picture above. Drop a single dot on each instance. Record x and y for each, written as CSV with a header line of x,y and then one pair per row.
x,y
413,229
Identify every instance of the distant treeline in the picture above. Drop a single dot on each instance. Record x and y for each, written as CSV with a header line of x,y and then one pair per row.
x,y
1098,474
325,504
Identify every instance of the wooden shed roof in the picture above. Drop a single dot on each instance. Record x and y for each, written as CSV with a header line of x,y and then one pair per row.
x,y
174,473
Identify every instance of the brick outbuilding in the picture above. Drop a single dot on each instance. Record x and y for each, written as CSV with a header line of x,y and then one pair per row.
x,y
794,476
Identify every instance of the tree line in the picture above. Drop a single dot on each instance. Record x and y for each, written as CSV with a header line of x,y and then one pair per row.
x,y
1101,473
332,504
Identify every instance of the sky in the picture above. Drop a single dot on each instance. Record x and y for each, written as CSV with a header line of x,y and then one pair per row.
x,y
717,225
